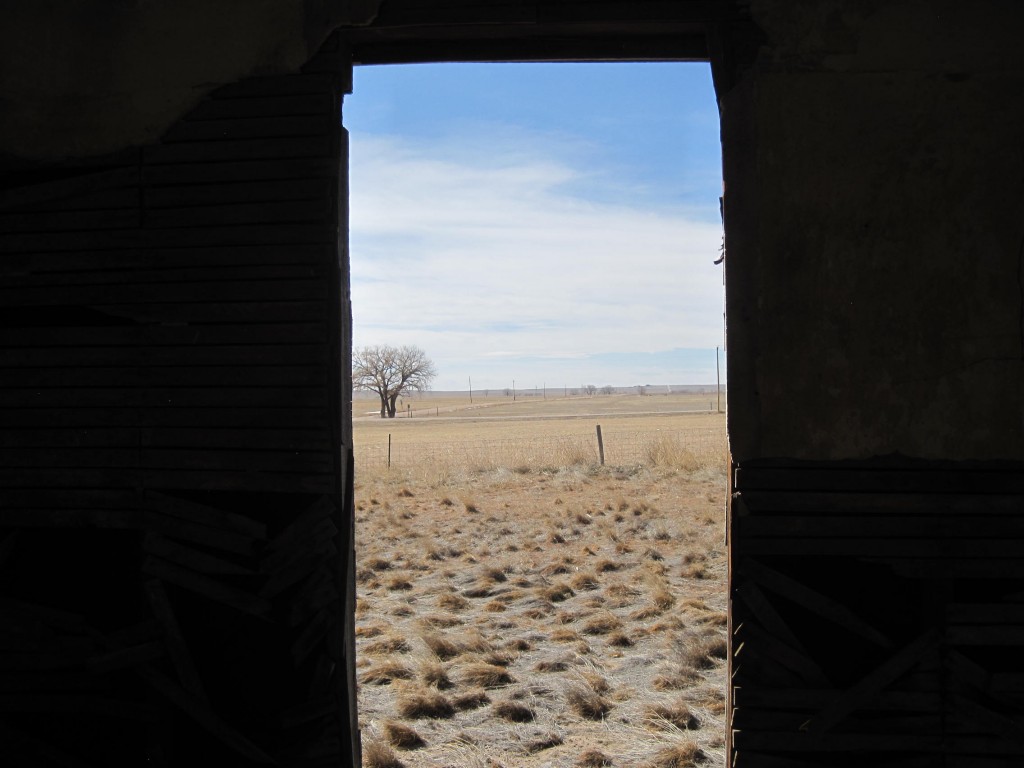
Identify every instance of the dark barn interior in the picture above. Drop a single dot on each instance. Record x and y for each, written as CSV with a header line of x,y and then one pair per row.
x,y
176,484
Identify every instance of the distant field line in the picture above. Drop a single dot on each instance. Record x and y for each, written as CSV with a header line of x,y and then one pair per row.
x,y
450,415
600,406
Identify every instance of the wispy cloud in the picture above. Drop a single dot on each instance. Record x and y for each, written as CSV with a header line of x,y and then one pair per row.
x,y
491,248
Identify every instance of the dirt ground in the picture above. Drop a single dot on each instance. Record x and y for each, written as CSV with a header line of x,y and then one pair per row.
x,y
542,617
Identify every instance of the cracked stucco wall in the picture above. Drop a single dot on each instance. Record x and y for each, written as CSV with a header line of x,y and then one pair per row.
x,y
88,77
874,281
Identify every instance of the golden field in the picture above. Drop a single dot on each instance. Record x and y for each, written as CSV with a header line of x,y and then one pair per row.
x,y
428,405
544,611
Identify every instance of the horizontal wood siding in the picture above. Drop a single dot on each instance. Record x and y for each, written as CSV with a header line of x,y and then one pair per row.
x,y
876,616
173,287
172,476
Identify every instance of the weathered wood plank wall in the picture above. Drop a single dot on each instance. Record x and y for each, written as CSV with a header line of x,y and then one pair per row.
x,y
175,535
877,614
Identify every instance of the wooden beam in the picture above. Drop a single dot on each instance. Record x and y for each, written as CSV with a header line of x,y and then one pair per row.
x,y
861,693
813,601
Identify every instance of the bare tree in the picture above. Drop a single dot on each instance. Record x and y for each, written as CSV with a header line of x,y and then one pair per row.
x,y
391,372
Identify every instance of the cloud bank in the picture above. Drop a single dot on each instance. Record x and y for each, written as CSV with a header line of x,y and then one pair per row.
x,y
504,257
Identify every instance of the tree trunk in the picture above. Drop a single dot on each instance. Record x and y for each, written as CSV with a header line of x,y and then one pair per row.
x,y
383,407
392,404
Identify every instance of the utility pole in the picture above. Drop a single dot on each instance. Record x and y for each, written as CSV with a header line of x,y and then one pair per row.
x,y
513,390
470,390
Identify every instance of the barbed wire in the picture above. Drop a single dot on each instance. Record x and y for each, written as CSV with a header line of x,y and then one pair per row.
x,y
621,448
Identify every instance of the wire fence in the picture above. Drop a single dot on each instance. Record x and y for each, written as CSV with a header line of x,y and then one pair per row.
x,y
688,448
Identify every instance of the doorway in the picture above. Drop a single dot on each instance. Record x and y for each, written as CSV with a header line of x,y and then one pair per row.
x,y
518,601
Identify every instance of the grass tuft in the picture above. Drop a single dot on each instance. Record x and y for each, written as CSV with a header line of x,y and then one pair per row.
x,y
620,640
595,680
439,621
369,630
556,665
546,741
402,736
387,645
443,647
513,711
663,598
585,580
565,635
452,602
399,584
593,758
557,592
435,674
677,679
379,755
416,705
704,652
385,673
602,624
683,755
676,715
499,658
485,675
471,700
586,702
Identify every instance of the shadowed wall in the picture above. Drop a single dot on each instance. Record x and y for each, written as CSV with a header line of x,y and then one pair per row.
x,y
175,509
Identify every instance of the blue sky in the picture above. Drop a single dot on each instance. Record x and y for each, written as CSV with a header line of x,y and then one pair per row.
x,y
555,224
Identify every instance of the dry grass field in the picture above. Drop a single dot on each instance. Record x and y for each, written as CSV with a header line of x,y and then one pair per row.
x,y
552,612
426,405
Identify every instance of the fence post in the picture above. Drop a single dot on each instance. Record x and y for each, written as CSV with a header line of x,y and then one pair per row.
x,y
389,450
600,444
